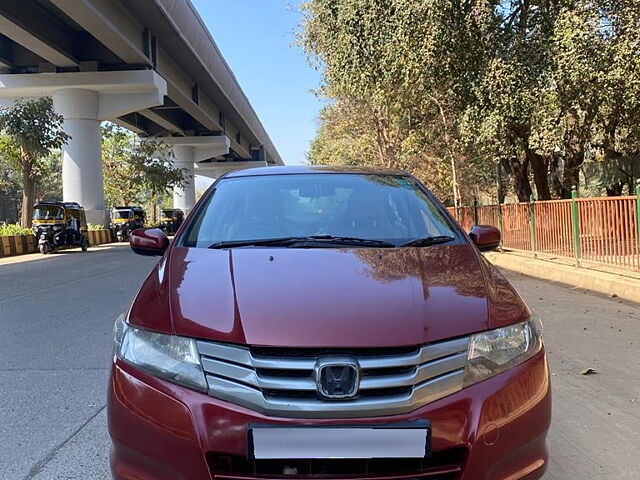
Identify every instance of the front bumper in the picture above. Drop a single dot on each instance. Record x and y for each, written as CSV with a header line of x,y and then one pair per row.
x,y
494,430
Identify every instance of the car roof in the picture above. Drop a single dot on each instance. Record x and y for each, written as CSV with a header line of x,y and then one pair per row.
x,y
55,203
302,169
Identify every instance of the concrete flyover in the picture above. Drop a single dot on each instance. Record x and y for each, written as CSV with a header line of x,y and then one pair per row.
x,y
148,65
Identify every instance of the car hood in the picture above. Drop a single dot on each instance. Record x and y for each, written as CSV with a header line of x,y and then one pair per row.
x,y
358,297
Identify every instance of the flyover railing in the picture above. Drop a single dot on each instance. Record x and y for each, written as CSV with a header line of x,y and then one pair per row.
x,y
604,230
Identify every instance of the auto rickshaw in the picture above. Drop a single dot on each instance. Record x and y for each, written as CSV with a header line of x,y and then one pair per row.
x,y
171,219
59,224
126,219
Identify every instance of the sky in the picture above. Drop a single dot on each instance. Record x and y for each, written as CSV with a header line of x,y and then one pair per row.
x,y
256,38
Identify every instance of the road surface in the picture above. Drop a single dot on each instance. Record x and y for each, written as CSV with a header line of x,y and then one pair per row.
x,y
56,316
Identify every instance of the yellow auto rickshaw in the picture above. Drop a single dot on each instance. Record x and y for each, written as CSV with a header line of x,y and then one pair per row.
x,y
126,219
60,224
171,219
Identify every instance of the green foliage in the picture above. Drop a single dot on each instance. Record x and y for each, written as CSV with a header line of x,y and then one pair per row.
x,y
135,171
34,127
396,74
32,132
10,190
47,184
434,86
94,228
14,229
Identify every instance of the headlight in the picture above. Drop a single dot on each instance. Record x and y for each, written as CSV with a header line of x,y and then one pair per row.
x,y
169,357
495,351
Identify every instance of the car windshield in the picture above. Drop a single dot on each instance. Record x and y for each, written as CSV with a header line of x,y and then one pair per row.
x,y
167,213
389,208
48,212
126,214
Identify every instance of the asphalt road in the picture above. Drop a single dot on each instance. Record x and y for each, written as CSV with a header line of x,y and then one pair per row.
x,y
56,316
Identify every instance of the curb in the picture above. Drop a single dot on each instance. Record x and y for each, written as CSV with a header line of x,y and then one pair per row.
x,y
602,282
17,245
11,245
96,237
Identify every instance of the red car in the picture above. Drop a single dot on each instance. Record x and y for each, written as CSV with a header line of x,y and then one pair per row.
x,y
326,323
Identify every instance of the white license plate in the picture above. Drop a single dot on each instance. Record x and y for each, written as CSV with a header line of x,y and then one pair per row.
x,y
342,442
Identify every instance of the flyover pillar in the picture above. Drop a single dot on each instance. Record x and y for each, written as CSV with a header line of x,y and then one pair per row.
x,y
189,152
85,99
81,155
184,196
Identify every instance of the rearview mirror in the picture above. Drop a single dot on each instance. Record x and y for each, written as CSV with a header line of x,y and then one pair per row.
x,y
315,190
486,237
148,241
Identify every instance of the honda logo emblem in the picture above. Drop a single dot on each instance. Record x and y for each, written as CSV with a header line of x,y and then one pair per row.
x,y
337,377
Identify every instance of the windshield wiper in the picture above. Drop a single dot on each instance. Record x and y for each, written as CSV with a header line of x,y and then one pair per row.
x,y
258,242
350,241
313,240
428,241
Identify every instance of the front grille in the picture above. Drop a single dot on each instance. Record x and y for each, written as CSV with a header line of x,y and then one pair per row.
x,y
392,382
319,352
445,465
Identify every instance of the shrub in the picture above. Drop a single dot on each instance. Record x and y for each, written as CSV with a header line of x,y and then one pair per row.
x,y
14,229
91,227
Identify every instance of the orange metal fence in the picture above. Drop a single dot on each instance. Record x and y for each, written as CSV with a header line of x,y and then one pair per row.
x,y
609,231
599,230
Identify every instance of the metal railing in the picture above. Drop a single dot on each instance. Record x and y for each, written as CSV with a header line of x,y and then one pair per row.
x,y
604,230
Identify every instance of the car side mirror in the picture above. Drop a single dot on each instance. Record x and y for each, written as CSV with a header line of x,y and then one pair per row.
x,y
148,241
486,237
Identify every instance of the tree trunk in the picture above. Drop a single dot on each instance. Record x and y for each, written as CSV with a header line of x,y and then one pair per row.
x,y
571,175
28,196
503,184
521,180
554,168
615,190
540,167
386,141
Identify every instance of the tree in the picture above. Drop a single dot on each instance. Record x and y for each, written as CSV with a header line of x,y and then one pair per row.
x,y
510,91
449,90
35,130
562,90
10,190
345,136
136,171
397,75
597,78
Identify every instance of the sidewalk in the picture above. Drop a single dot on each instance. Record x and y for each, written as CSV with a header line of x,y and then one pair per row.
x,y
30,257
612,282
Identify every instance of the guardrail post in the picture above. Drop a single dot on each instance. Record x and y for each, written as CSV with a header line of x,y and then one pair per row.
x,y
532,225
575,221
